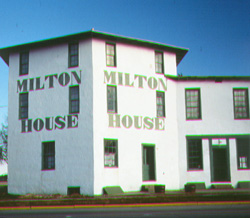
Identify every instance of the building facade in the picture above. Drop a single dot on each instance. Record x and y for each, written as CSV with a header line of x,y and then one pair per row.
x,y
92,110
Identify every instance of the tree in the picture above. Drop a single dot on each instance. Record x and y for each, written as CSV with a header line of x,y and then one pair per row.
x,y
4,143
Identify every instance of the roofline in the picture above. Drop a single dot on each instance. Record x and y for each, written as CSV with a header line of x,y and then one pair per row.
x,y
208,78
5,52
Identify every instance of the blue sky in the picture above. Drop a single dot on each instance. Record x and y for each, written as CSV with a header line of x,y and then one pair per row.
x,y
216,32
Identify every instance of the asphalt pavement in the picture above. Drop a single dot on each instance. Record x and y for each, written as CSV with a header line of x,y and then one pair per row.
x,y
180,211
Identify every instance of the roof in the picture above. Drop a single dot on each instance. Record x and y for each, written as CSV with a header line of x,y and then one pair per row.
x,y
5,52
208,78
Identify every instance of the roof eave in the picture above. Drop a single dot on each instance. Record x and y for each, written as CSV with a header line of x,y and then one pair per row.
x,y
180,52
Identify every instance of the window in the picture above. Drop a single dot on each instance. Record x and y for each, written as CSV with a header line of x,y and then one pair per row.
x,y
73,55
243,153
160,104
112,99
48,155
193,106
110,153
23,105
24,63
110,55
159,67
241,104
74,99
194,153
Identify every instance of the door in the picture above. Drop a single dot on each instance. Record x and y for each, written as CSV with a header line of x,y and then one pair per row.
x,y
221,171
148,162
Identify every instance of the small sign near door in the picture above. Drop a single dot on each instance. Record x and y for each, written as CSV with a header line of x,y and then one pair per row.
x,y
219,142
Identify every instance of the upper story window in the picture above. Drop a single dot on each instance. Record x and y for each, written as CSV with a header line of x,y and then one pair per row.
x,y
74,100
241,103
24,63
110,55
23,105
48,155
159,66
160,104
193,104
73,54
194,154
112,99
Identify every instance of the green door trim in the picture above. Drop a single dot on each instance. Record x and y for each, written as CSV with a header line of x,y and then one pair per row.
x,y
152,165
211,150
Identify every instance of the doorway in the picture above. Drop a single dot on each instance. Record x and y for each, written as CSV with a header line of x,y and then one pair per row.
x,y
220,163
148,162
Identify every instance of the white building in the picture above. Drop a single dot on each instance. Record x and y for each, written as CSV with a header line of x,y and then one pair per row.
x,y
92,110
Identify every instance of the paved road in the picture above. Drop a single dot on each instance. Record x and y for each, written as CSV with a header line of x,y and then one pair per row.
x,y
212,211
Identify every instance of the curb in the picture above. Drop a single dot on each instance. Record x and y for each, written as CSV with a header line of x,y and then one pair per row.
x,y
128,205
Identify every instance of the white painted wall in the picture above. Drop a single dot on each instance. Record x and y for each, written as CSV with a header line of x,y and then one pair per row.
x,y
73,147
217,119
134,101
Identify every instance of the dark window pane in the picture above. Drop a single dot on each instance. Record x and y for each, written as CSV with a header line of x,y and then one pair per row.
x,y
74,99
48,155
73,55
194,153
24,63
243,153
23,105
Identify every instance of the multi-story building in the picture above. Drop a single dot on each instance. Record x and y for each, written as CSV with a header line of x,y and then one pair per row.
x,y
92,110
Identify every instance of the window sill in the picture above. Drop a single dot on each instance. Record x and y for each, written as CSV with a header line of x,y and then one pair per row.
x,y
72,113
73,66
241,118
24,74
107,167
198,119
245,169
48,170
221,182
111,112
195,170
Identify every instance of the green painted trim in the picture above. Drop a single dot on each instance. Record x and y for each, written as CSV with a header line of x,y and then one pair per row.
x,y
208,78
199,98
4,52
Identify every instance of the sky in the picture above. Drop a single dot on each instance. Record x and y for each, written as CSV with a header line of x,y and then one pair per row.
x,y
216,32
